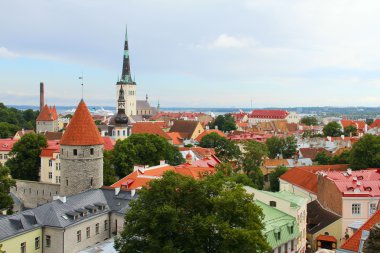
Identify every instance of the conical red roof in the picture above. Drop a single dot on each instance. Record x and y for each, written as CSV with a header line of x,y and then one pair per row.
x,y
81,130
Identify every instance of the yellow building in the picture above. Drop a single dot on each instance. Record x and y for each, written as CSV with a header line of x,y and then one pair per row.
x,y
22,234
50,165
6,146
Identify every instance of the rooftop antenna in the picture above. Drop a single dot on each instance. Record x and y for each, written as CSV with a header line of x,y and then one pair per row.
x,y
81,78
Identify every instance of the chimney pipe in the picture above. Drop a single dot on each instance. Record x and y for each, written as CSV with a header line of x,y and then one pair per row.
x,y
42,96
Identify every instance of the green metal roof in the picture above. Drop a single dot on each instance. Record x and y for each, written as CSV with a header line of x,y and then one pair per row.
x,y
277,221
288,196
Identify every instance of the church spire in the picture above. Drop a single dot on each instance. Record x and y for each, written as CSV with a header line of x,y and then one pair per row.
x,y
126,72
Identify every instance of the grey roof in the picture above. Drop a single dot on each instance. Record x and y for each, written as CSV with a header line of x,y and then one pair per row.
x,y
143,105
59,214
17,224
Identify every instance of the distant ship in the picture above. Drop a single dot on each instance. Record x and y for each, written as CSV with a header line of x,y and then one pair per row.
x,y
93,111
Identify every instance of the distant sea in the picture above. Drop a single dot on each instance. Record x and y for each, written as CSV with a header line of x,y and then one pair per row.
x,y
62,109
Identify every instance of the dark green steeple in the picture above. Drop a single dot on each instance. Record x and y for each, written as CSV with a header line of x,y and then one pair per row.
x,y
126,72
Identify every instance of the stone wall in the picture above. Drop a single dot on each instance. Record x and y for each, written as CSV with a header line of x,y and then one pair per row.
x,y
33,194
81,169
47,126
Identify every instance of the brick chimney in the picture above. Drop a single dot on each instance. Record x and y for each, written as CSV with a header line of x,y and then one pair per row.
x,y
42,96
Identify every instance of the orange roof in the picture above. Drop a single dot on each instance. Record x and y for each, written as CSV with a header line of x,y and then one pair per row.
x,y
376,123
176,138
353,242
81,130
140,178
326,238
149,128
47,114
109,143
206,132
275,162
194,172
360,125
306,178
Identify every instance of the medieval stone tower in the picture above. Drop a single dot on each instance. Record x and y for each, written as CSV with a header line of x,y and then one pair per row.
x,y
126,83
81,154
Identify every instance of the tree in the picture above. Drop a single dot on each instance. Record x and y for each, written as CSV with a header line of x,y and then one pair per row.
x,y
323,159
332,129
309,121
369,121
109,174
350,131
274,178
365,153
143,149
286,147
6,182
224,123
225,150
253,156
25,159
180,214
275,146
7,130
21,119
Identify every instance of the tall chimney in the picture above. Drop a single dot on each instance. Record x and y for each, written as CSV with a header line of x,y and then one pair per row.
x,y
42,94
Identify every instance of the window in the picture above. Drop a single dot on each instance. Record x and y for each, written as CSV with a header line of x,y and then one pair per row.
x,y
37,243
57,179
50,163
372,208
97,228
88,233
277,235
23,247
91,181
106,225
67,182
272,203
5,156
79,236
291,229
1,156
123,132
50,175
75,152
57,166
91,151
355,209
48,241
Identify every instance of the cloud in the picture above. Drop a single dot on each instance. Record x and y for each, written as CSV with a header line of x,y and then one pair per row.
x,y
225,41
5,53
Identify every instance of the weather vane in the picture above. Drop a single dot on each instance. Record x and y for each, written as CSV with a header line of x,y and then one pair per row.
x,y
81,78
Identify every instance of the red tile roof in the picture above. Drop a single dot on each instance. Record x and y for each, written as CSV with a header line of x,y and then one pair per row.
x,y
326,238
206,132
7,144
21,133
376,123
149,128
176,138
47,114
360,125
269,114
306,178
369,182
81,130
353,242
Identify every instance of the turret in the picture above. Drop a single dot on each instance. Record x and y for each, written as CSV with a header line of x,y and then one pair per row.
x,y
81,154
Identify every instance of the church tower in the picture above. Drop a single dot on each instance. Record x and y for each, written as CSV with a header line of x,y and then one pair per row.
x,y
126,83
81,154
121,129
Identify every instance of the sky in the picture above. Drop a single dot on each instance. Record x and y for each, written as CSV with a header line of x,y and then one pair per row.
x,y
193,53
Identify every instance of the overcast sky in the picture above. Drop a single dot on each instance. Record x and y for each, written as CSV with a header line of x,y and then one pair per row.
x,y
217,53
